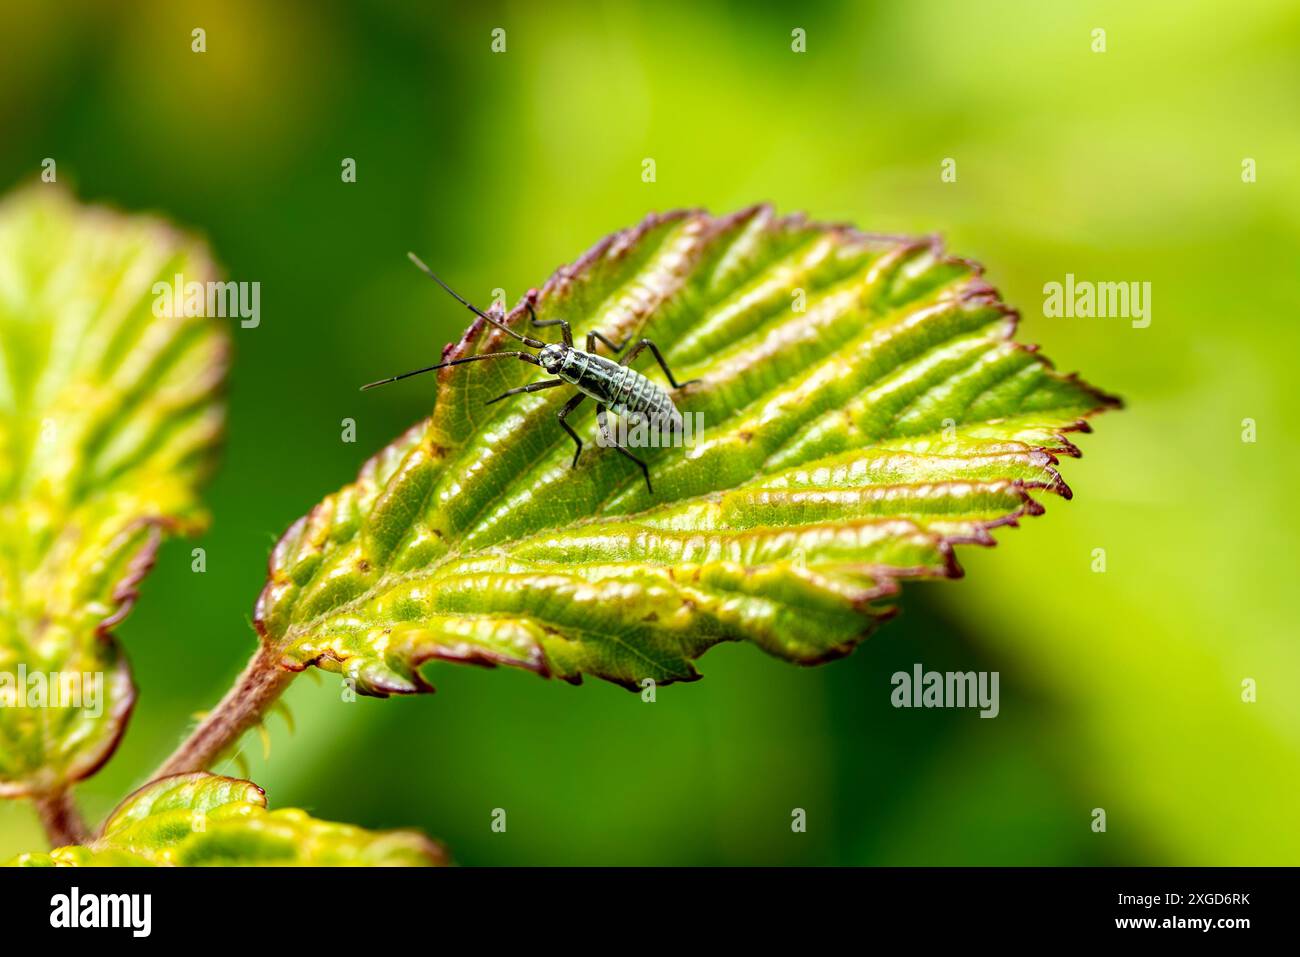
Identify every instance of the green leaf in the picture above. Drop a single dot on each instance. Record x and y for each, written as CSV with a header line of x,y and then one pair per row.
x,y
203,820
864,407
108,420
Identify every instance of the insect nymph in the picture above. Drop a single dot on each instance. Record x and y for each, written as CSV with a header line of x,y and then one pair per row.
x,y
615,386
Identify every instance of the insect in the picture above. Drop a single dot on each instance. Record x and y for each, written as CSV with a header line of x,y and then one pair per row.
x,y
615,386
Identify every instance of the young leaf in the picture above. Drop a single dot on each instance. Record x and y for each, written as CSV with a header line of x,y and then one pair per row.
x,y
108,420
864,408
200,819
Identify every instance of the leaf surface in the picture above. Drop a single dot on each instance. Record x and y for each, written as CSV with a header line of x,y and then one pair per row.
x,y
205,820
864,408
109,416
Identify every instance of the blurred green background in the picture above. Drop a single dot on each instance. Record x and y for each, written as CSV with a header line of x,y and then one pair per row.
x,y
1120,690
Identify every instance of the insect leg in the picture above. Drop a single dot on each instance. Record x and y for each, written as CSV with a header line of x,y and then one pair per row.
x,y
603,421
647,344
565,331
531,387
593,337
569,407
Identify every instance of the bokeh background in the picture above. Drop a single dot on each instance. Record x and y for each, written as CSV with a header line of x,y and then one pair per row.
x,y
1120,690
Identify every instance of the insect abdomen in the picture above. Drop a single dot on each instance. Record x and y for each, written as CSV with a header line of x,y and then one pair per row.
x,y
624,390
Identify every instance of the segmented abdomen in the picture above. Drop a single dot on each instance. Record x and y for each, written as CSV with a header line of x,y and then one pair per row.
x,y
623,389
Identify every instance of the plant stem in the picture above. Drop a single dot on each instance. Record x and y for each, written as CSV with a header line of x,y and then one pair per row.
x,y
62,821
261,683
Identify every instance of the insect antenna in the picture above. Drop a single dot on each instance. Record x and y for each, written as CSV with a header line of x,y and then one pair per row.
x,y
526,340
524,356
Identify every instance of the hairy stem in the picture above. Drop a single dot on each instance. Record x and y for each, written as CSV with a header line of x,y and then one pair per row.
x,y
62,821
261,683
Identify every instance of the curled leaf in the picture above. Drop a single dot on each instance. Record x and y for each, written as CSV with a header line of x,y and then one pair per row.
x,y
864,408
109,416
197,820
